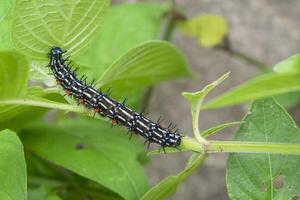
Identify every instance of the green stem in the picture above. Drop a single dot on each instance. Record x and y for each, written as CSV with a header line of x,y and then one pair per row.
x,y
263,67
227,47
240,147
195,124
188,143
53,105
167,36
253,147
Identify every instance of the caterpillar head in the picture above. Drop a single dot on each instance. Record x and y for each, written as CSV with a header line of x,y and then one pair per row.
x,y
56,53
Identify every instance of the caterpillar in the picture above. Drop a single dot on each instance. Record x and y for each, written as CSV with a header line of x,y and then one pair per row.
x,y
105,106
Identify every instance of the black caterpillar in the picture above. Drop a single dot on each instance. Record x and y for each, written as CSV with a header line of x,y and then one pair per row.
x,y
104,105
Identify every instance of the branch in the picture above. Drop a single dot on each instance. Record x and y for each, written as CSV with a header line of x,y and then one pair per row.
x,y
240,147
227,47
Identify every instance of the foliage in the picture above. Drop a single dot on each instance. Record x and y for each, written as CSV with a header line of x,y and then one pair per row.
x,y
284,79
265,176
13,168
169,185
82,158
68,144
209,29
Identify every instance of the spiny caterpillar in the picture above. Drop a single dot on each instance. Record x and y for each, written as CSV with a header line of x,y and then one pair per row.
x,y
106,106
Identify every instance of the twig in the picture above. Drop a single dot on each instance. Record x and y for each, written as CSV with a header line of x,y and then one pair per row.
x,y
227,47
171,18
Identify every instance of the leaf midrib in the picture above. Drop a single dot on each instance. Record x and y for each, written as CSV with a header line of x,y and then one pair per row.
x,y
269,157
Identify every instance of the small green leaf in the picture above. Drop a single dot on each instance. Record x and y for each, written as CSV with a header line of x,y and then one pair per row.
x,y
144,65
196,98
93,150
169,185
265,176
289,65
257,88
218,128
69,24
209,29
5,24
13,184
119,34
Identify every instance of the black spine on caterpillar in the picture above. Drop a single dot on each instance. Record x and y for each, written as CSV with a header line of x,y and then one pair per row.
x,y
107,107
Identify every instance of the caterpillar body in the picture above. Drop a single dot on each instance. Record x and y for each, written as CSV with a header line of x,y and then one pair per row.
x,y
106,106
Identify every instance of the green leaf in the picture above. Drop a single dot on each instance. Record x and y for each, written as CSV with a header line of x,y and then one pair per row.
x,y
30,107
289,65
13,81
289,99
265,176
257,88
144,65
120,34
218,128
42,193
92,150
69,24
13,184
14,67
196,98
170,184
5,24
209,29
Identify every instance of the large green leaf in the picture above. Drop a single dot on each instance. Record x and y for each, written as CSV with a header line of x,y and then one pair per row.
x,y
93,150
144,65
13,184
170,184
5,24
265,176
283,83
30,106
70,24
13,74
13,81
119,34
289,65
257,88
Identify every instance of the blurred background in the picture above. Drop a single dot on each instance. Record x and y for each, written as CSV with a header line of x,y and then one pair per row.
x,y
266,30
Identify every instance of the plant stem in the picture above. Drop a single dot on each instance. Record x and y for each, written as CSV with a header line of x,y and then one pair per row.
x,y
240,147
188,143
263,67
253,147
171,20
227,47
43,104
